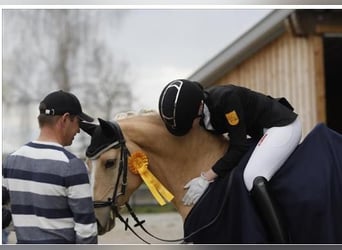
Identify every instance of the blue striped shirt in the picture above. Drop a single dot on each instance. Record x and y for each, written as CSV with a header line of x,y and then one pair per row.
x,y
50,195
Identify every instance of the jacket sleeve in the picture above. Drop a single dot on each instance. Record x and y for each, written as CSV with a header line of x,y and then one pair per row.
x,y
236,127
227,162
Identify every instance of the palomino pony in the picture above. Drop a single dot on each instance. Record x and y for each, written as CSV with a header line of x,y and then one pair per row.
x,y
307,188
173,160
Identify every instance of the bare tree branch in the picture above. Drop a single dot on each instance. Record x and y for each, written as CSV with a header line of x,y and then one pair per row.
x,y
67,49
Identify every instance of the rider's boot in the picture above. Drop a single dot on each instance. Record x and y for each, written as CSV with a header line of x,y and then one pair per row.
x,y
268,211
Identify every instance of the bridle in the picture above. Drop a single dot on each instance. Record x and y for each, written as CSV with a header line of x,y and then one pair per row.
x,y
113,204
122,175
124,153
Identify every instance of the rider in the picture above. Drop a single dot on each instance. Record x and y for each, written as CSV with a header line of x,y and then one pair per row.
x,y
240,112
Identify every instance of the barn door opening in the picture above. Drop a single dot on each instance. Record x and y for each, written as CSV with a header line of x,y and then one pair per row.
x,y
333,80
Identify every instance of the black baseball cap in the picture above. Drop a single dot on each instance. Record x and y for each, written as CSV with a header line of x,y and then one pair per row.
x,y
179,104
61,102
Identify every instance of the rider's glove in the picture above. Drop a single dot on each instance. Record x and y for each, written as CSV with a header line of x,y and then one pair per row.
x,y
196,188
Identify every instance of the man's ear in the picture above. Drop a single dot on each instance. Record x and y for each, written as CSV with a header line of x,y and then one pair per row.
x,y
65,117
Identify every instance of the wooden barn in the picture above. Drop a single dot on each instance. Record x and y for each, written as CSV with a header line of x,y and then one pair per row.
x,y
292,53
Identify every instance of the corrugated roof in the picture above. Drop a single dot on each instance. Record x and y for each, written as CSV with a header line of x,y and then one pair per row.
x,y
258,36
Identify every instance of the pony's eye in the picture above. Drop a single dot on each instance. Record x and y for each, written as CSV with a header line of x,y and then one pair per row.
x,y
110,163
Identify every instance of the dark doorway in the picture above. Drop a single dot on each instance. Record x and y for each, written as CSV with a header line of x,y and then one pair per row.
x,y
333,81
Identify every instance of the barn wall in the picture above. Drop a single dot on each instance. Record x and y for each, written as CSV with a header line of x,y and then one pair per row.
x,y
291,67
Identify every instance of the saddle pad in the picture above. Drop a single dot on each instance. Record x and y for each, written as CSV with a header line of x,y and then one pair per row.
x,y
308,190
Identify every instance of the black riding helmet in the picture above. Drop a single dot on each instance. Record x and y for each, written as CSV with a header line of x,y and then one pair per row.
x,y
179,103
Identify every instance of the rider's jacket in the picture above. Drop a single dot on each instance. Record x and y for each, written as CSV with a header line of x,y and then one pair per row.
x,y
239,112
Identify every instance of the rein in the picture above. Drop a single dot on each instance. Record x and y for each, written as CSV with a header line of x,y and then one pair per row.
x,y
112,202
181,240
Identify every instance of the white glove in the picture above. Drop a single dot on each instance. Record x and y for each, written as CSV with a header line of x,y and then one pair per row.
x,y
196,188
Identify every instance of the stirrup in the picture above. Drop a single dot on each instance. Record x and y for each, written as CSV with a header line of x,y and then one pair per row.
x,y
268,211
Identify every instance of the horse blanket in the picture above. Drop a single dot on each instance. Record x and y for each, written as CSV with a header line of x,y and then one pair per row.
x,y
308,190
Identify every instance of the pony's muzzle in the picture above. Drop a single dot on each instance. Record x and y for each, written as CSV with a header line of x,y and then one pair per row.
x,y
105,218
106,228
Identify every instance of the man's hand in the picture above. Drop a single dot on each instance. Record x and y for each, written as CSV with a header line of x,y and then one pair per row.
x,y
196,188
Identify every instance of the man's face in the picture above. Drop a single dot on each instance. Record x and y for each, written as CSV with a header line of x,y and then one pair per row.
x,y
72,127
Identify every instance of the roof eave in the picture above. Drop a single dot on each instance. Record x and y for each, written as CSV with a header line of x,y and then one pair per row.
x,y
265,31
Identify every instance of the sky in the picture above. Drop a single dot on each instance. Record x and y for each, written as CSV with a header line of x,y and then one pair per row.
x,y
159,45
163,45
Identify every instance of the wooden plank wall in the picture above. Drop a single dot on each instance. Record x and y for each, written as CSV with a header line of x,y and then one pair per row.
x,y
291,67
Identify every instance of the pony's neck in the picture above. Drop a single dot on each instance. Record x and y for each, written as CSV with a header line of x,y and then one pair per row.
x,y
140,130
173,160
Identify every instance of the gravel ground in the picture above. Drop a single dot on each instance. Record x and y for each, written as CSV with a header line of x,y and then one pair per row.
x,y
163,225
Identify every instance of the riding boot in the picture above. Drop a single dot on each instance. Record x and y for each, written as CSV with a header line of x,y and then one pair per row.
x,y
268,211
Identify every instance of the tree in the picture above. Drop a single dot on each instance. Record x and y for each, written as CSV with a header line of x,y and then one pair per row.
x,y
67,49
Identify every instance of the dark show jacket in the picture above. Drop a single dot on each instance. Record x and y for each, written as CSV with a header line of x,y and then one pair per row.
x,y
239,112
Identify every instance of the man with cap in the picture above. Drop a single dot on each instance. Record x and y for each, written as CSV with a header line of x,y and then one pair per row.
x,y
48,186
239,112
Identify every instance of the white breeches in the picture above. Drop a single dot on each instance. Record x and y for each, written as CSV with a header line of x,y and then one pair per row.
x,y
271,152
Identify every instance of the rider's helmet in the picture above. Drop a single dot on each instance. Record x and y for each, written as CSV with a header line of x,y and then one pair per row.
x,y
179,105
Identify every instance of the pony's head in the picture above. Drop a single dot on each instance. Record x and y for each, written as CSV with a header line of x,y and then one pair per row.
x,y
106,156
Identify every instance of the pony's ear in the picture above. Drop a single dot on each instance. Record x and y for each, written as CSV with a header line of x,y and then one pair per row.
x,y
89,128
108,128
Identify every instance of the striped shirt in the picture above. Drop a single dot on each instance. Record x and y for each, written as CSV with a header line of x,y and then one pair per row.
x,y
50,195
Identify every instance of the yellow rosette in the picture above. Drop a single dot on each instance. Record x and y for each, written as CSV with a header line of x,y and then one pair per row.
x,y
137,164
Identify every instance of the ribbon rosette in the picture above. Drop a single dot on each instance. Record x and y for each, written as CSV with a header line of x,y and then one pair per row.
x,y
137,164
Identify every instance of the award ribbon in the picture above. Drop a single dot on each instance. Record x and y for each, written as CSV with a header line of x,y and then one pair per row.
x,y
137,164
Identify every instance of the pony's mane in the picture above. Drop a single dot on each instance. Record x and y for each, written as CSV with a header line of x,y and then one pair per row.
x,y
123,115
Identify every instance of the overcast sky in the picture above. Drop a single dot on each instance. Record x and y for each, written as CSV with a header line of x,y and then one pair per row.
x,y
162,45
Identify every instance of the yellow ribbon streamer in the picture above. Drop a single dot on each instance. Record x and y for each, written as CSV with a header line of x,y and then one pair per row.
x,y
137,164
